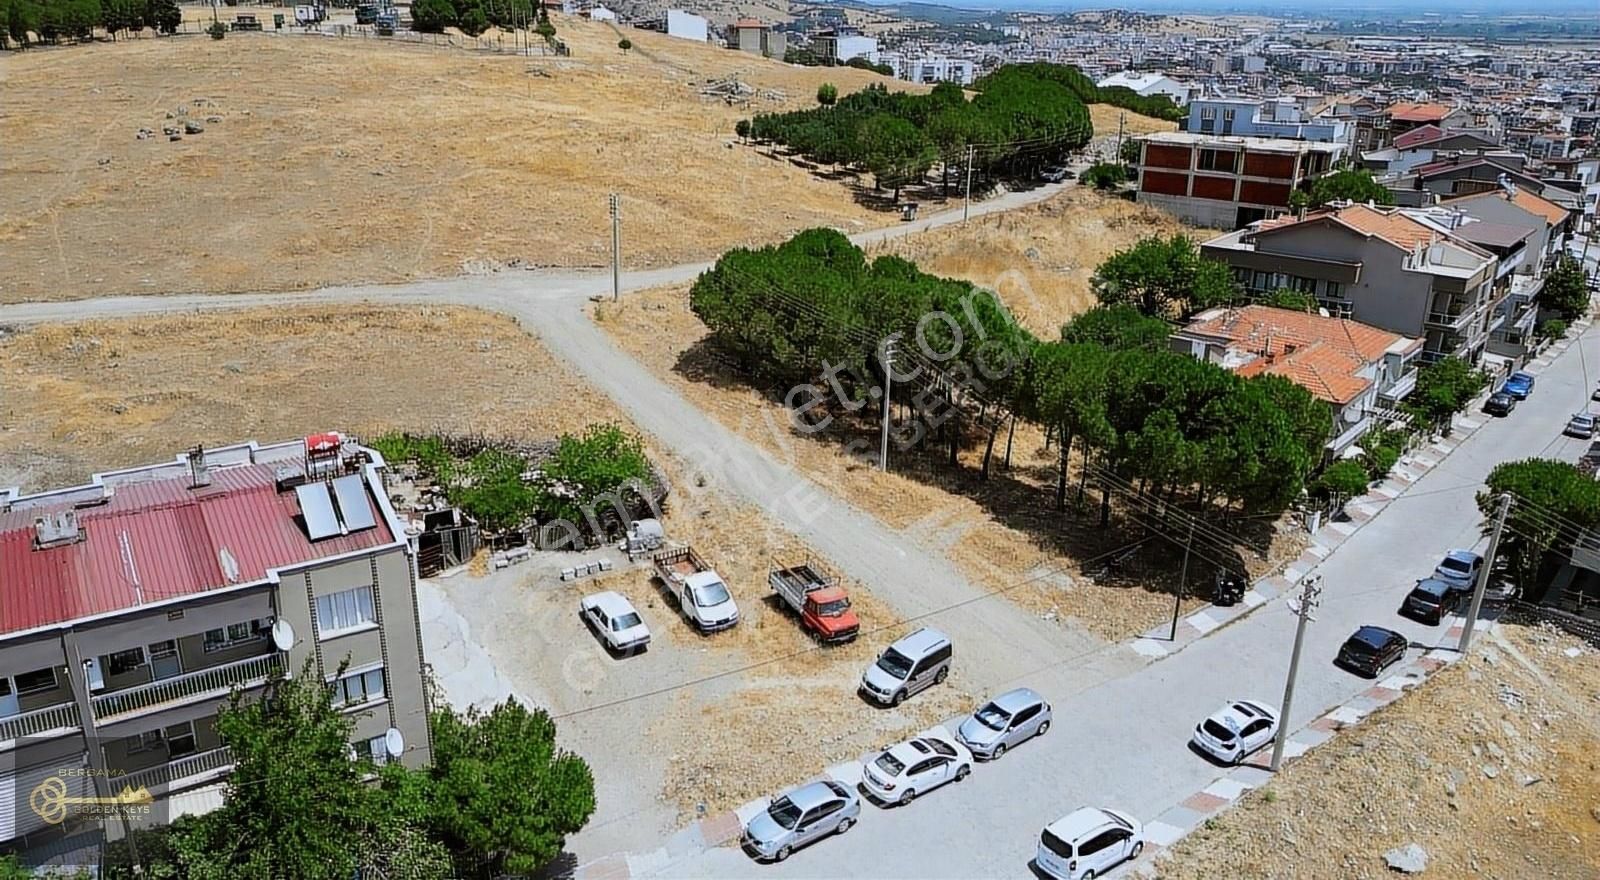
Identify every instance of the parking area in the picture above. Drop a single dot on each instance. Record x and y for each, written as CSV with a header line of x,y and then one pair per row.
x,y
695,724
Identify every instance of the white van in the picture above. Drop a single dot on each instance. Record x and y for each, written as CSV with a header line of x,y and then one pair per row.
x,y
1089,842
915,662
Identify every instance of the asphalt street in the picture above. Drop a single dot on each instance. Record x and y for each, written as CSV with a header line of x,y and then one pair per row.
x,y
1122,742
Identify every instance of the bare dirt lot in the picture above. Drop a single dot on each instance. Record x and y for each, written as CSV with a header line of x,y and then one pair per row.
x,y
1002,531
1491,767
333,161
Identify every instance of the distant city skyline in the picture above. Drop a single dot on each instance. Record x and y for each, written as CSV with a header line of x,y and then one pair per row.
x,y
1288,8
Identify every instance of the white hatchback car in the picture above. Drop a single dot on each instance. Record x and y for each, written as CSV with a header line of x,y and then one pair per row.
x,y
1236,730
614,618
915,767
1088,843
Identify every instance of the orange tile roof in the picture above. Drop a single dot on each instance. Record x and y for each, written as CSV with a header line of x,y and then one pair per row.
x,y
1320,354
1386,223
1527,201
1419,112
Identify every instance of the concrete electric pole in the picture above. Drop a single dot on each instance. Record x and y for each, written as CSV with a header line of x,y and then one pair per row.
x,y
966,202
616,247
888,380
1483,574
1183,583
1310,594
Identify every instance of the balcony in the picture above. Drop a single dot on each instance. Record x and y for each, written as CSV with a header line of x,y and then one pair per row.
x,y
1350,435
189,687
185,772
1449,321
1401,387
62,716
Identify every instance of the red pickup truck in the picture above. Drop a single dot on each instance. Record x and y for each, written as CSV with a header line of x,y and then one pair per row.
x,y
823,606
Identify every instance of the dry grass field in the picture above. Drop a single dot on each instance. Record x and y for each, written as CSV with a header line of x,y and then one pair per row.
x,y
1490,767
1040,259
99,395
337,161
1106,118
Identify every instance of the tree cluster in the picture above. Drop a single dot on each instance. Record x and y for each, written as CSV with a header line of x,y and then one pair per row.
x,y
1018,123
23,22
1105,175
1348,185
501,491
1553,504
498,798
473,17
1158,106
814,305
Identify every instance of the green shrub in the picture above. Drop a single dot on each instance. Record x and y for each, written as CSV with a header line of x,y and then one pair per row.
x,y
217,30
1379,460
1341,480
1555,328
1105,175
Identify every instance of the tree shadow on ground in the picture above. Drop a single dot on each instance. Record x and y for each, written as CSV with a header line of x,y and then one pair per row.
x,y
1021,497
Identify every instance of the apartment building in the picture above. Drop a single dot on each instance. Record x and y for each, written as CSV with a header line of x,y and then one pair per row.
x,y
1378,266
1227,182
134,604
1250,117
1361,372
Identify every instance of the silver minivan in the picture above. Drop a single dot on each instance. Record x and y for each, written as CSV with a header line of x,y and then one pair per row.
x,y
907,666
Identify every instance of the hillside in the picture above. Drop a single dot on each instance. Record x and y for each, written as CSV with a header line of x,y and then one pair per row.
x,y
334,161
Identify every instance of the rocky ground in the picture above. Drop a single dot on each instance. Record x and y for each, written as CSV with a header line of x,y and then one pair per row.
x,y
1491,769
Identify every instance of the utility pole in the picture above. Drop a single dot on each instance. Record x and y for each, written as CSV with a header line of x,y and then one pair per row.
x,y
616,247
966,202
1122,120
888,381
1183,583
1310,593
1483,575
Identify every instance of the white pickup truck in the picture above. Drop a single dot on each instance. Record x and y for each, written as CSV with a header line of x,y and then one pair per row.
x,y
701,595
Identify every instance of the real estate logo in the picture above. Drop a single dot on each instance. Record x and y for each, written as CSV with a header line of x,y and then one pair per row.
x,y
51,801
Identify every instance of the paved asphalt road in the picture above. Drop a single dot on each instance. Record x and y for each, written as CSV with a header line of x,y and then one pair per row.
x,y
1122,742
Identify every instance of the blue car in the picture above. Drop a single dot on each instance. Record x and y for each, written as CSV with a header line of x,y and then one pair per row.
x,y
1518,385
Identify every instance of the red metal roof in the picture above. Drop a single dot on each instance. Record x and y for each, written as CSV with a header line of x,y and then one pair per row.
x,y
159,540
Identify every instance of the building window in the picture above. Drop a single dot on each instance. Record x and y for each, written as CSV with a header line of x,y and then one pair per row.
x,y
372,751
1208,113
143,742
180,740
36,682
235,634
1333,289
362,687
123,662
346,610
1218,160
1302,285
1261,280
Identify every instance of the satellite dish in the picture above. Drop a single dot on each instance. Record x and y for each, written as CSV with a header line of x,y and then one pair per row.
x,y
393,742
282,635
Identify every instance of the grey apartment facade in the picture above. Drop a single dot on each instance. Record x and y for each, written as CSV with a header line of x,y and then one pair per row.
x,y
133,606
1378,266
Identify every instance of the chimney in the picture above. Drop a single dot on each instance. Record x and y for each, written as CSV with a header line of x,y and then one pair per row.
x,y
200,474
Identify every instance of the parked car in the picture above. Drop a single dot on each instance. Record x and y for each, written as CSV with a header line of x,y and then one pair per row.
x,y
1431,599
801,817
1581,425
1596,394
1088,842
1008,720
701,595
1236,730
1371,650
1459,569
915,767
616,620
1500,404
918,661
1056,175
1518,385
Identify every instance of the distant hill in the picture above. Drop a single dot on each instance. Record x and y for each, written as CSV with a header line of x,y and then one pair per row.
x,y
718,12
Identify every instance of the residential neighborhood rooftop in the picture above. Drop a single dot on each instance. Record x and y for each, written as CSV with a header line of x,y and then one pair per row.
x,y
1270,145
